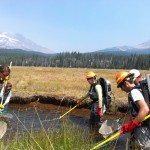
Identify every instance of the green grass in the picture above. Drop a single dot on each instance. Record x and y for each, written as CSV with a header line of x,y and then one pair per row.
x,y
67,137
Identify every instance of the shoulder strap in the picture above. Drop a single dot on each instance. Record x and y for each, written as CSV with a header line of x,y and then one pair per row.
x,y
134,108
145,91
103,84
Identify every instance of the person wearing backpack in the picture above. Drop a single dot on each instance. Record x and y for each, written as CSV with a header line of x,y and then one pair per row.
x,y
137,76
95,93
139,129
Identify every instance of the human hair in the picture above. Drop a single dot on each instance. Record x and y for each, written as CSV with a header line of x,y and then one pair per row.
x,y
4,68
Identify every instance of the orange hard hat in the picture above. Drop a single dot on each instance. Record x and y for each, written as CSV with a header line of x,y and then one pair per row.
x,y
121,76
90,75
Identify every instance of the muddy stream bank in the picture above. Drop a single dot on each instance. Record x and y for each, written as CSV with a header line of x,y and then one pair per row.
x,y
34,110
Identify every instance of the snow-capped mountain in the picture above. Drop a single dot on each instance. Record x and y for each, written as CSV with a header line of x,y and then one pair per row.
x,y
9,40
144,45
143,48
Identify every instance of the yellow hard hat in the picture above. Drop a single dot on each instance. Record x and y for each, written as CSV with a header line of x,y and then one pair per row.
x,y
90,75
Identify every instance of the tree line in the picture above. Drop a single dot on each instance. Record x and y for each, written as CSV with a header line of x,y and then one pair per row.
x,y
78,60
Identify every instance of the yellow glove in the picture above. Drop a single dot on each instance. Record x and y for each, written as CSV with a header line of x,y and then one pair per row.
x,y
1,106
7,78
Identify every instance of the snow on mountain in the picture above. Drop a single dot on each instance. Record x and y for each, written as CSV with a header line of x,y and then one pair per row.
x,y
17,41
136,49
123,48
144,45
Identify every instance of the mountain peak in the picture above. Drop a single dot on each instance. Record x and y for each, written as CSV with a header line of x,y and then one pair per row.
x,y
9,40
143,45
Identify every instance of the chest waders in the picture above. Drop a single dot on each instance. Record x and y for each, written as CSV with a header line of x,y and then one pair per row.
x,y
95,120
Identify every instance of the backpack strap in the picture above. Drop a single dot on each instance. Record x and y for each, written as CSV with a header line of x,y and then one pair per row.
x,y
106,96
133,106
145,91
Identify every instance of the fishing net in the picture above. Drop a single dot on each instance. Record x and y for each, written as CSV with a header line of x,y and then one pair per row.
x,y
3,128
109,127
6,115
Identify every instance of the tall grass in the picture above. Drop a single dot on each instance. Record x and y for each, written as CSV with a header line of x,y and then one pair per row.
x,y
67,137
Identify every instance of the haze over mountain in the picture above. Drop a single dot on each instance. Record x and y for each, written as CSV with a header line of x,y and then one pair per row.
x,y
143,48
9,40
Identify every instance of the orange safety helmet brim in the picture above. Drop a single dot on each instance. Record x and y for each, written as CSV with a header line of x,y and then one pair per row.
x,y
121,76
90,75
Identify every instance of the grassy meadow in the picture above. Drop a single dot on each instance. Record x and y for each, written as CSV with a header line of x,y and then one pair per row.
x,y
30,81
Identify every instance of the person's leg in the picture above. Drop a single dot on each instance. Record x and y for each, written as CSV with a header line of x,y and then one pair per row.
x,y
92,117
95,120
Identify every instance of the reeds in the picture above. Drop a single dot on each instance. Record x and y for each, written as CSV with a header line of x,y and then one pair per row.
x,y
64,135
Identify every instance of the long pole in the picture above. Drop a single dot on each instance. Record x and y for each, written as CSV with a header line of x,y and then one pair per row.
x,y
65,112
112,137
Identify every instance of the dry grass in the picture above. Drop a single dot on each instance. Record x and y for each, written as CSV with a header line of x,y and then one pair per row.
x,y
30,81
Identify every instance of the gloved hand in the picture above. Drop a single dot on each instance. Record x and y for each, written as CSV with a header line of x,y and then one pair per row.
x,y
1,106
99,111
128,128
78,103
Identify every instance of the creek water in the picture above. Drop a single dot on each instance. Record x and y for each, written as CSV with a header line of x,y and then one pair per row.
x,y
31,116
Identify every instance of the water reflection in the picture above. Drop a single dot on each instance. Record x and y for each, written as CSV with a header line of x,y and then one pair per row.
x,y
31,117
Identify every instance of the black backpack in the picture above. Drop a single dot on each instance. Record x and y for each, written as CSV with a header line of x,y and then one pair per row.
x,y
106,91
145,87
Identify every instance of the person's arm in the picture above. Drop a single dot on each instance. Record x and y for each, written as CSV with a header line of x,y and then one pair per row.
x,y
2,92
82,99
98,89
85,97
141,103
143,111
8,98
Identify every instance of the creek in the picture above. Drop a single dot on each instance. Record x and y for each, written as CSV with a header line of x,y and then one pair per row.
x,y
30,116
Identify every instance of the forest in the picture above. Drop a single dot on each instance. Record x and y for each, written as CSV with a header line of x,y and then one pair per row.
x,y
77,60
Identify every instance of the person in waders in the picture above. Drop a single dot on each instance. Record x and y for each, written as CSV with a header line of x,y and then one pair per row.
x,y
6,94
95,94
140,131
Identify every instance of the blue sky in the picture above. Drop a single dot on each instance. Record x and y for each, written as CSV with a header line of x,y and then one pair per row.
x,y
78,25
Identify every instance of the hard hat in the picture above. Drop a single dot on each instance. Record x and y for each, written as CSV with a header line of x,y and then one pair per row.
x,y
90,75
121,76
135,72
